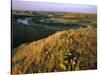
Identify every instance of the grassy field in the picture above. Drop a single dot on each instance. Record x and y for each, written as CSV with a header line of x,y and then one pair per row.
x,y
38,29
53,42
70,50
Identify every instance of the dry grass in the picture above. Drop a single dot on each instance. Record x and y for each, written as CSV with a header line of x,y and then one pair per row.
x,y
74,49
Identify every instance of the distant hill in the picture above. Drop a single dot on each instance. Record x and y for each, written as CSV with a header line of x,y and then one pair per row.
x,y
74,49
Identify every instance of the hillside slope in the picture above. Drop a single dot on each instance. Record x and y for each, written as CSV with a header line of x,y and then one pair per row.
x,y
74,49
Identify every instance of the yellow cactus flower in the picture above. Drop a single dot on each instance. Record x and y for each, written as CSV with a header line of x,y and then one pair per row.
x,y
62,66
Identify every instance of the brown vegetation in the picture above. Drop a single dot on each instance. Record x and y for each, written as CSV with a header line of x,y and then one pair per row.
x,y
74,49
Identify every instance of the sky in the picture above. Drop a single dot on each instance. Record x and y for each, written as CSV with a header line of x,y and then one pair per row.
x,y
47,6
